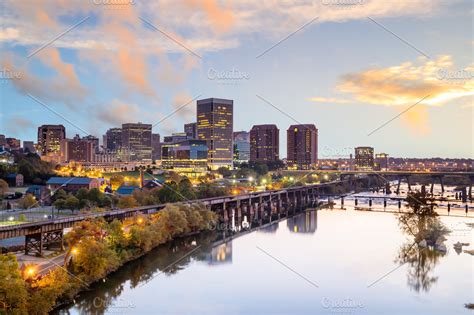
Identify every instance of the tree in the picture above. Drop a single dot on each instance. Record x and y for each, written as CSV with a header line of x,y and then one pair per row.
x,y
127,202
224,171
71,203
421,203
116,181
169,193
12,285
27,202
186,189
3,187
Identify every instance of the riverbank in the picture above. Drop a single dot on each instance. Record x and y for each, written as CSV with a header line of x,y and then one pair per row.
x,y
96,250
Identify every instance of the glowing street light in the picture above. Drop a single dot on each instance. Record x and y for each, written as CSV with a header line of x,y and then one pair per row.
x,y
74,251
250,179
140,220
291,179
264,181
11,218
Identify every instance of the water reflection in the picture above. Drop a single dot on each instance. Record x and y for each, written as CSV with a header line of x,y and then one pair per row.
x,y
167,259
304,223
424,249
221,254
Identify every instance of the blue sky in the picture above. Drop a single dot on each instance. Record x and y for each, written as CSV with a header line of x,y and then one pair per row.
x,y
344,72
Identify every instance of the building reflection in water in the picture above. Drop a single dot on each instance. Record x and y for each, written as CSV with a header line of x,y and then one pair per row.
x,y
306,222
220,254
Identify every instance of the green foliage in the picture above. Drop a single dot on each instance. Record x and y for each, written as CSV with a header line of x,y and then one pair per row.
x,y
186,189
169,192
3,187
99,248
31,167
127,202
27,201
12,286
94,259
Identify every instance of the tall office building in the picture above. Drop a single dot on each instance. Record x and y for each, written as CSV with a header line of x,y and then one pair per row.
x,y
191,130
302,146
241,146
155,146
113,139
264,143
49,141
29,146
136,140
364,158
94,140
77,150
3,140
215,126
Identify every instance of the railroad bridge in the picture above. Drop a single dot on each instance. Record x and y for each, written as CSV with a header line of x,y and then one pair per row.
x,y
256,207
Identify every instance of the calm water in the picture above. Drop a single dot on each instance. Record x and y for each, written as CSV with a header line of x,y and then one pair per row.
x,y
325,262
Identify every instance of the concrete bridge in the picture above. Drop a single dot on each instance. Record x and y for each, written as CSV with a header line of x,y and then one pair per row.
x,y
255,207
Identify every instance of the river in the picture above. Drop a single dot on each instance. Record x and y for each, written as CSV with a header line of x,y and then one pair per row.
x,y
317,262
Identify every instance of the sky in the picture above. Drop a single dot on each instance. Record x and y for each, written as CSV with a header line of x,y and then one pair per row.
x,y
395,75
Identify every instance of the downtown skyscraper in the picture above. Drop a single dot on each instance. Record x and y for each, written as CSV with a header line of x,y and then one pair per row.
x,y
264,143
136,141
215,126
302,146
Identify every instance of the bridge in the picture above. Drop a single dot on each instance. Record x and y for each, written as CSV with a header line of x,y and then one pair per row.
x,y
407,176
255,206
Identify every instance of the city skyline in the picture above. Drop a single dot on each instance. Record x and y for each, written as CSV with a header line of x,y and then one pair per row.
x,y
325,70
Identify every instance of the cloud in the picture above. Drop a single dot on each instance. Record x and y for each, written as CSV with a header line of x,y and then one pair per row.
x,y
63,88
117,112
16,125
9,33
408,83
328,100
405,85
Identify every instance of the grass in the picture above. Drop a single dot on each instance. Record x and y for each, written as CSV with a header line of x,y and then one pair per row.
x,y
7,223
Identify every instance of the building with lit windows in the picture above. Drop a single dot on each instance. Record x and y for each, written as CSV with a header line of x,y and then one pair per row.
x,y
49,141
113,139
191,130
381,162
241,146
155,146
136,141
189,157
264,143
77,150
364,158
215,126
302,146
